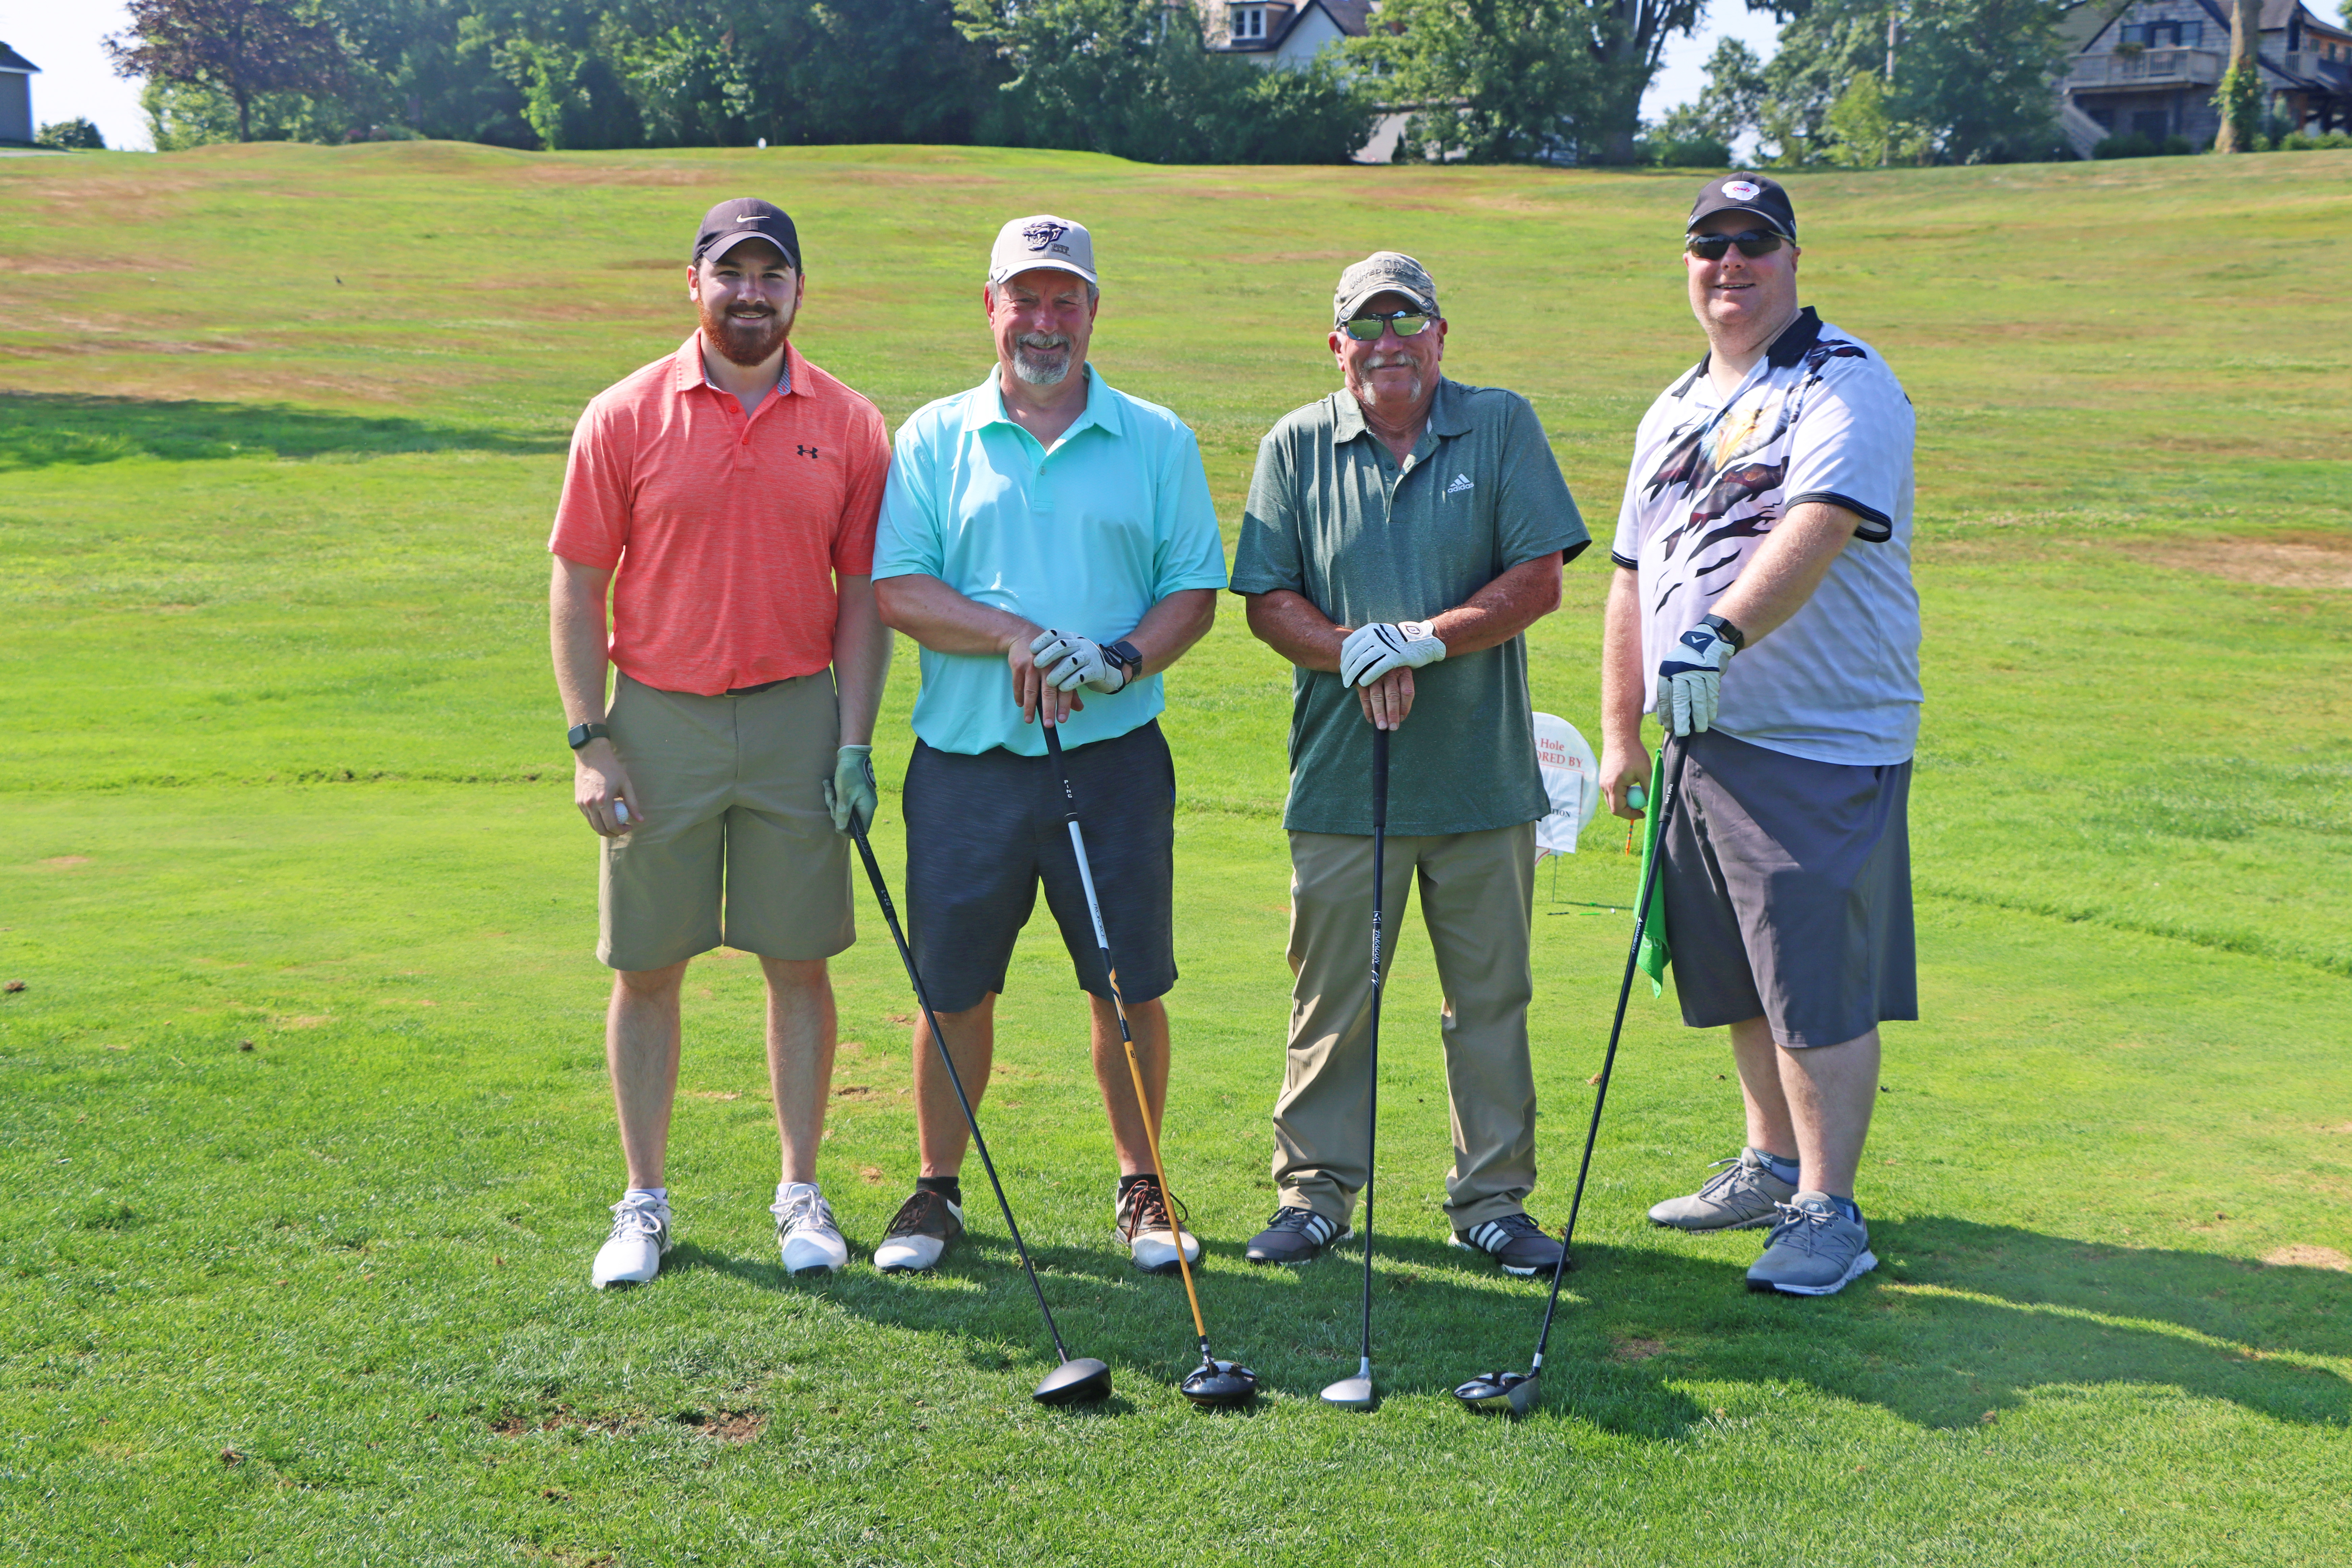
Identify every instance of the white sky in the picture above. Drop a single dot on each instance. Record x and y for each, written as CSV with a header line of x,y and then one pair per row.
x,y
76,78
1682,72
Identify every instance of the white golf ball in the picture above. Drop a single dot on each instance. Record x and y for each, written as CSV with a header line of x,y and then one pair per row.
x,y
621,811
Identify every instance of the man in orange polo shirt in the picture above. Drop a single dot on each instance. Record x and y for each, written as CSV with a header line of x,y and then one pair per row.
x,y
726,496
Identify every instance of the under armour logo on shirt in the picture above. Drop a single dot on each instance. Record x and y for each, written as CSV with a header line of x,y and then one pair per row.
x,y
1460,482
805,451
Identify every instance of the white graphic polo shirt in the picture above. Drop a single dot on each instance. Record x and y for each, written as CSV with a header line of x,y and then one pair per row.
x,y
1820,418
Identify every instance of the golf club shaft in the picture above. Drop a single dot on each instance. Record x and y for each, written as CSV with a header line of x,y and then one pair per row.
x,y
1373,1101
1126,1039
939,1040
1671,793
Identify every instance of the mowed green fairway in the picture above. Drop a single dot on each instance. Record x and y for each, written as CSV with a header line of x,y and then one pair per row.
x,y
284,431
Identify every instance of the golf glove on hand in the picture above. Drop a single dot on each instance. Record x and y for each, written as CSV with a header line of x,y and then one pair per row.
x,y
850,792
1066,660
1373,652
1690,678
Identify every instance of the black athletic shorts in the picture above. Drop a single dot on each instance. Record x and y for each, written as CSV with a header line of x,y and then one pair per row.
x,y
984,831
1788,893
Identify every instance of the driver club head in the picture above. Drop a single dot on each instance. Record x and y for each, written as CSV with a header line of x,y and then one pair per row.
x,y
1218,1385
1075,1381
1351,1393
1493,1390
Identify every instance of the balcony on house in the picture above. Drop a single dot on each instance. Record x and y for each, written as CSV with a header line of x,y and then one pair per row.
x,y
2146,68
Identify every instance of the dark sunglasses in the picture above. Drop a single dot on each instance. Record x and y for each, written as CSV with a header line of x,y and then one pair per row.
x,y
1368,328
1751,242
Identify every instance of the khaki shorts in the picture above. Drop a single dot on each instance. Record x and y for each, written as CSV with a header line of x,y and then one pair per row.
x,y
736,846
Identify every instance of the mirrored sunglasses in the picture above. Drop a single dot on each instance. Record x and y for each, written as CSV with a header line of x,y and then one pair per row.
x,y
1368,328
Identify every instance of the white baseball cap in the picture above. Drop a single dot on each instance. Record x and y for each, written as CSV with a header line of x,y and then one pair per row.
x,y
1044,240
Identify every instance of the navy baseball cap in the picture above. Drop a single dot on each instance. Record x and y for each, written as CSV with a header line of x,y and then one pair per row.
x,y
747,217
1746,193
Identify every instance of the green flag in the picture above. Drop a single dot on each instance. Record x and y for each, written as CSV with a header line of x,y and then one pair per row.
x,y
1654,957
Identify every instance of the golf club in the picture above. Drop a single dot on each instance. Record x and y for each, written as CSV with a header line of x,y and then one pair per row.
x,y
1213,1383
1489,1389
1073,1382
1356,1393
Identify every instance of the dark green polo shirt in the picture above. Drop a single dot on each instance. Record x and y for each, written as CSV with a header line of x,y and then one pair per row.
x,y
1334,518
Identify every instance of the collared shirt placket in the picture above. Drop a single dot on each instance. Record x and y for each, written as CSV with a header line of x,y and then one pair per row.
x,y
739,421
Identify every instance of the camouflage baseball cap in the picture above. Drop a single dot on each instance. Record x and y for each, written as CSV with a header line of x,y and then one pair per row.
x,y
1383,272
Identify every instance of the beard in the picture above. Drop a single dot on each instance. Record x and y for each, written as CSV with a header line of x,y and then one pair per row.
x,y
744,336
1370,393
1041,359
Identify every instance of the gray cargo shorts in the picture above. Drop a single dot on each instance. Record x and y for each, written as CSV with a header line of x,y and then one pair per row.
x,y
1788,893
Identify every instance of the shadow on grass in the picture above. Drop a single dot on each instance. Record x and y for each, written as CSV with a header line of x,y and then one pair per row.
x,y
39,430
1961,1322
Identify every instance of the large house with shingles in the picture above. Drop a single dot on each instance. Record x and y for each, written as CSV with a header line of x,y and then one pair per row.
x,y
1281,32
2153,70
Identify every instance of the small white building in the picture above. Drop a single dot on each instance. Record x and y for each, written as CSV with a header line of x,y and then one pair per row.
x,y
17,75
1281,32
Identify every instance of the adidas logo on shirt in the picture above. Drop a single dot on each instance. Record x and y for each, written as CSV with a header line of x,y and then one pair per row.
x,y
1460,482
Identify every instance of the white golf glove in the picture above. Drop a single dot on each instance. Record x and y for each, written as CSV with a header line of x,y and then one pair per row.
x,y
1066,660
1373,652
1690,678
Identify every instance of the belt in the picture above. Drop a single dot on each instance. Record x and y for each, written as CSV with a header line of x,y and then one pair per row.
x,y
755,690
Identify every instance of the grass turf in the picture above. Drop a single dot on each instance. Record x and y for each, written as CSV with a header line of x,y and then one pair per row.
x,y
324,1300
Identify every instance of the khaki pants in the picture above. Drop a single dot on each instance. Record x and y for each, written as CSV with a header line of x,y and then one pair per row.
x,y
1477,896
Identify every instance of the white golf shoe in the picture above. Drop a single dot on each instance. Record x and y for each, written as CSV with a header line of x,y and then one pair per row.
x,y
919,1233
1150,1235
812,1243
632,1255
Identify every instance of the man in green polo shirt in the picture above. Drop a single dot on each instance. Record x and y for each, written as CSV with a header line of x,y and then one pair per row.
x,y
1401,534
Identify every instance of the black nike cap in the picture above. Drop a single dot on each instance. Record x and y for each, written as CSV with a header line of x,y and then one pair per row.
x,y
747,217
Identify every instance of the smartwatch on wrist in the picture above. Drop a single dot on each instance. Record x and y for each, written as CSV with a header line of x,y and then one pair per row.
x,y
1130,659
1727,631
581,734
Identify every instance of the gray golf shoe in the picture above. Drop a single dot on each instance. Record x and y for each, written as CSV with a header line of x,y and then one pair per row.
x,y
1740,1198
1814,1250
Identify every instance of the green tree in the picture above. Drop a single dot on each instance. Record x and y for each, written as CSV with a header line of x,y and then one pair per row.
x,y
239,50
1729,106
1974,80
2240,99
74,136
1492,81
1133,78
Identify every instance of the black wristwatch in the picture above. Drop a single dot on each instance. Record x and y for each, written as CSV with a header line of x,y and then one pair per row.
x,y
581,734
1130,659
1727,631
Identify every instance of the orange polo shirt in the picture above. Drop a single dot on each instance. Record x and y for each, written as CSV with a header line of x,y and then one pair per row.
x,y
722,534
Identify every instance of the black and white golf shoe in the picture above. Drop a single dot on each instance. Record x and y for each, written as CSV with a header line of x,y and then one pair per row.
x,y
1515,1241
1293,1236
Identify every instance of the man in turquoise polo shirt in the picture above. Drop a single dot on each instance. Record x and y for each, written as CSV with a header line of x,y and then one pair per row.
x,y
1401,536
1041,533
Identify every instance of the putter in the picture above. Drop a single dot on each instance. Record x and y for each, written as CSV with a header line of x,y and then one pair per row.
x,y
1489,1390
1356,1393
1074,1382
1214,1385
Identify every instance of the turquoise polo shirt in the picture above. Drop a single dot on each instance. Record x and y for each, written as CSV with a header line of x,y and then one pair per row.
x,y
1085,537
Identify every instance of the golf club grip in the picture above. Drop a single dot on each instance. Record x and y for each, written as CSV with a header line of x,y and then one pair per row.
x,y
955,1079
1670,796
1379,780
